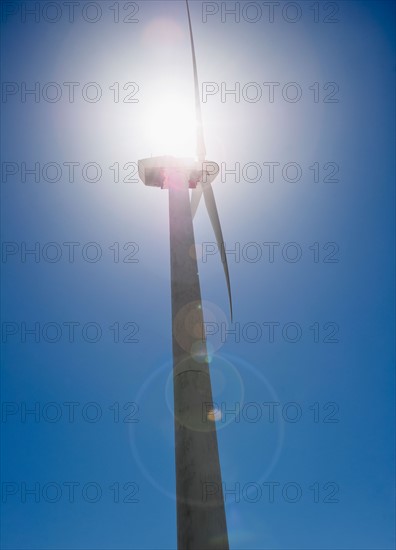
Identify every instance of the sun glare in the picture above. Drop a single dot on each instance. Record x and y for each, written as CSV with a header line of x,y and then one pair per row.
x,y
171,127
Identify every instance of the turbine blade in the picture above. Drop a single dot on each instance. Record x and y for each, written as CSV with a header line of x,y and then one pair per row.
x,y
205,188
196,195
215,221
201,150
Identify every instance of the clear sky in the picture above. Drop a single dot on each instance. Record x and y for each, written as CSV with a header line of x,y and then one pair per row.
x,y
309,462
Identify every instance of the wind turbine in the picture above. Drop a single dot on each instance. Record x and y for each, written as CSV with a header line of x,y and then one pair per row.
x,y
201,520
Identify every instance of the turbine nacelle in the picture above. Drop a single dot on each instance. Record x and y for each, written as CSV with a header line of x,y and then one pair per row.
x,y
167,171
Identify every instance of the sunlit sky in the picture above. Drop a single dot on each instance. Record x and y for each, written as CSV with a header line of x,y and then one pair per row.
x,y
339,214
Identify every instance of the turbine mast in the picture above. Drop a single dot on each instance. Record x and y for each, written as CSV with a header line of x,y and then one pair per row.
x,y
201,518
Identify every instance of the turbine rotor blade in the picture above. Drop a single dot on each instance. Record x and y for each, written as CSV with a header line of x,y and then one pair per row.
x,y
201,150
209,172
211,207
196,195
205,189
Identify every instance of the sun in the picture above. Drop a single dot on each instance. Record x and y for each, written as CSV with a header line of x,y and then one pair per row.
x,y
171,126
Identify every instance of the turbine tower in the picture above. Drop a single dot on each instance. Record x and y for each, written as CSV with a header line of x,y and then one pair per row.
x,y
201,520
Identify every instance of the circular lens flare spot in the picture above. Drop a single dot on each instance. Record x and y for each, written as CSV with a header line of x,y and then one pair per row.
x,y
201,352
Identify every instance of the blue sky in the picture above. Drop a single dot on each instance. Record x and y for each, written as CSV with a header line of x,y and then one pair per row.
x,y
103,420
